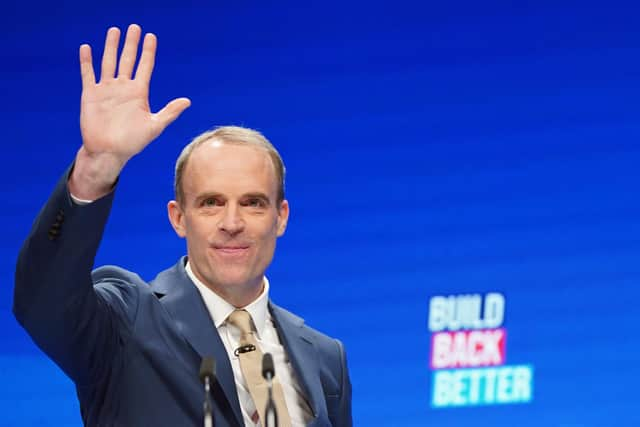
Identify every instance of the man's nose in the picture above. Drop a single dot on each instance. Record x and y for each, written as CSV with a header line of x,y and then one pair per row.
x,y
231,221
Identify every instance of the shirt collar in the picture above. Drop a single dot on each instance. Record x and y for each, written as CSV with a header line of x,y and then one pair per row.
x,y
219,309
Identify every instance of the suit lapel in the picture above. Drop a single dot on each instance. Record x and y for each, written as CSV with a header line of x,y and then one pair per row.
x,y
303,355
183,302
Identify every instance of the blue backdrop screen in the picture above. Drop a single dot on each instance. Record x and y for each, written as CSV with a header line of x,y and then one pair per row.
x,y
463,181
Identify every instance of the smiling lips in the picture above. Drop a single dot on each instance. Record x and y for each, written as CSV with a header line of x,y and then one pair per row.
x,y
231,250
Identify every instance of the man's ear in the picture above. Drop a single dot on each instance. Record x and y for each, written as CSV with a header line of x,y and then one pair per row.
x,y
176,217
283,217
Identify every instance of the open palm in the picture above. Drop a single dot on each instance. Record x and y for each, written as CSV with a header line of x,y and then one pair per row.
x,y
115,118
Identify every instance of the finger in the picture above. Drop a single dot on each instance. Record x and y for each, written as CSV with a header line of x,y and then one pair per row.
x,y
147,58
170,112
129,51
110,53
86,67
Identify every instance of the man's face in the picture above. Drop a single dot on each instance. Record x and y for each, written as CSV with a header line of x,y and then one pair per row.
x,y
230,217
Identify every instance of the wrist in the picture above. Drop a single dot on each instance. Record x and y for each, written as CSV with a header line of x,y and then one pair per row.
x,y
94,175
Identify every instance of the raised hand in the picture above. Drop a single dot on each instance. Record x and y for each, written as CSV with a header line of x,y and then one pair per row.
x,y
115,118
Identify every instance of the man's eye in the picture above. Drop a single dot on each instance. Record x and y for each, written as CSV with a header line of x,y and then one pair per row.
x,y
256,203
210,202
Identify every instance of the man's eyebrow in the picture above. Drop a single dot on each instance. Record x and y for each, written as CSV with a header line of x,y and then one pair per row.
x,y
208,194
251,195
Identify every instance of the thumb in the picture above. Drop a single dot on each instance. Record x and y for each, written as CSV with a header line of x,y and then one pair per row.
x,y
170,112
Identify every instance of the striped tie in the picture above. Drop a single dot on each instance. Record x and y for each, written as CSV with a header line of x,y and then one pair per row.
x,y
250,357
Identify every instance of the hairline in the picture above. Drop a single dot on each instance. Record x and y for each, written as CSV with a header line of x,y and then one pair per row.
x,y
230,135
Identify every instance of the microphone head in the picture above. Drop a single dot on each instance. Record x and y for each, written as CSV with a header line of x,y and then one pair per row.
x,y
207,368
268,370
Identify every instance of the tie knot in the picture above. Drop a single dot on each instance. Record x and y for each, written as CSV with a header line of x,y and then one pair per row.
x,y
242,320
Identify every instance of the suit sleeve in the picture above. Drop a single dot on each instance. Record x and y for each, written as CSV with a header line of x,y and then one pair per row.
x,y
54,297
344,404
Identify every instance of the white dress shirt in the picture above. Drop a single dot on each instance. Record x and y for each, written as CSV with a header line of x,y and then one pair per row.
x,y
268,341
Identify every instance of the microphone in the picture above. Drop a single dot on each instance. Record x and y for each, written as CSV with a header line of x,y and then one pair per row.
x,y
269,372
207,377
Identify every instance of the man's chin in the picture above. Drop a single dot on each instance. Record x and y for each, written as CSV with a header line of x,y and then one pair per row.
x,y
239,283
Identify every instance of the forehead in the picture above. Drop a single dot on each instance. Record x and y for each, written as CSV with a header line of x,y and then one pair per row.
x,y
216,166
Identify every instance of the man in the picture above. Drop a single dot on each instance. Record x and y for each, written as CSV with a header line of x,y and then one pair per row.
x,y
134,349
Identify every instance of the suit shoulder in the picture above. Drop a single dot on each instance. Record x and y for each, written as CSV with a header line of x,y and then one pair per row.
x,y
121,289
118,285
324,342
323,339
115,274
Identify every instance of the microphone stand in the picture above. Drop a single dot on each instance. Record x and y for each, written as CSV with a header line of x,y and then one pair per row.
x,y
268,372
207,376
208,415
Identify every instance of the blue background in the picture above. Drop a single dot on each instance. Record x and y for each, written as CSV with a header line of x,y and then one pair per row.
x,y
433,148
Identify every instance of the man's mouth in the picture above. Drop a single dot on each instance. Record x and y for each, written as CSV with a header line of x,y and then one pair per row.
x,y
231,249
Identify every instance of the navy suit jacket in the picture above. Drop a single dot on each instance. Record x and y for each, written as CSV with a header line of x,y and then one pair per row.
x,y
133,348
